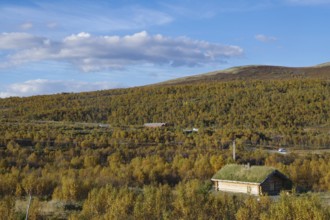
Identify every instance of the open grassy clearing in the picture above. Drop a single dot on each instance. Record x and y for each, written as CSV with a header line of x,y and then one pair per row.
x,y
53,209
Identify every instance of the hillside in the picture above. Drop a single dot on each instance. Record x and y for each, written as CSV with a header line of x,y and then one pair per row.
x,y
88,155
257,72
295,108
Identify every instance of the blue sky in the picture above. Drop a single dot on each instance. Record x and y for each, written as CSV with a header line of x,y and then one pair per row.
x,y
71,46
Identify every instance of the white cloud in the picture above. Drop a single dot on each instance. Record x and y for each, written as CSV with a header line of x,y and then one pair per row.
x,y
5,95
20,41
26,26
44,86
264,38
95,53
75,37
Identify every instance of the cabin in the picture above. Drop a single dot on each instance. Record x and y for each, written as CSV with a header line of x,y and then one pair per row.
x,y
253,180
155,125
104,125
189,131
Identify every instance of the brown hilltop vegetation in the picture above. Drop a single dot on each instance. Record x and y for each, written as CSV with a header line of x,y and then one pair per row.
x,y
257,72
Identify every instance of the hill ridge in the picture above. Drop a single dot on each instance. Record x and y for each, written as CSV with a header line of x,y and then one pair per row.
x,y
255,72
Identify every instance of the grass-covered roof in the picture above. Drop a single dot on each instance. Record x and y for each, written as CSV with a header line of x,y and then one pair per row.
x,y
234,172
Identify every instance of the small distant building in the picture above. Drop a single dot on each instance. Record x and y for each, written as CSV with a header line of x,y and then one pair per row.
x,y
104,125
189,131
154,125
254,180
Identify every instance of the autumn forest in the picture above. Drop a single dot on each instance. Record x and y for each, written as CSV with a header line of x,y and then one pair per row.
x,y
89,155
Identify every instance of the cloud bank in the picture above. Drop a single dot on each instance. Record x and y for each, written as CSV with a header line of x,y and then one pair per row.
x,y
96,53
44,86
